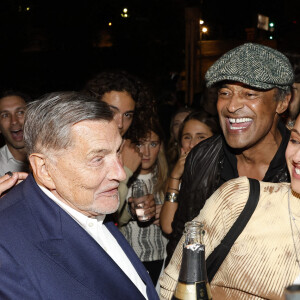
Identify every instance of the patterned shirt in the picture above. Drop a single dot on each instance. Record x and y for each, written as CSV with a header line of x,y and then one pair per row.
x,y
147,240
9,163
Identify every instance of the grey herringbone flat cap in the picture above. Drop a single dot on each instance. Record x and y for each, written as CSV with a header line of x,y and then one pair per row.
x,y
252,64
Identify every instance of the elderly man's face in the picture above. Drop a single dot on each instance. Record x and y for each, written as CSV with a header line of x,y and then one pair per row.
x,y
246,115
87,175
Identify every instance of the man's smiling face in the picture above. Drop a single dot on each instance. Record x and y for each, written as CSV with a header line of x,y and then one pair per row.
x,y
246,114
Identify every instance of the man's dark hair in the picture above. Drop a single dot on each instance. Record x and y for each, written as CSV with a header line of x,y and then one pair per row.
x,y
8,93
108,81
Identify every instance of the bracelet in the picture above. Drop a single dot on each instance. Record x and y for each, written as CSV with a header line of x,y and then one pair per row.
x,y
171,197
169,188
174,178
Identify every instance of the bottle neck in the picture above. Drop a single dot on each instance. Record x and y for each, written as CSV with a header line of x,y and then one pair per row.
x,y
193,233
193,267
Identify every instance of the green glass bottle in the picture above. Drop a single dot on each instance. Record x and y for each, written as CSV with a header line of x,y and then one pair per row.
x,y
192,282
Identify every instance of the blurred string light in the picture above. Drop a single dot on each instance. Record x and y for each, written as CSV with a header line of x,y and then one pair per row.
x,y
125,14
24,9
203,29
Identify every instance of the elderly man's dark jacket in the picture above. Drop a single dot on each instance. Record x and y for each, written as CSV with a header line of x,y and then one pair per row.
x,y
46,254
210,164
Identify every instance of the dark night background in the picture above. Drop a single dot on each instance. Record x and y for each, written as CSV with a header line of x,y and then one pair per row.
x,y
57,45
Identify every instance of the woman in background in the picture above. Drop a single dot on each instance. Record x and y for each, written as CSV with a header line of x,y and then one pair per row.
x,y
196,127
147,238
176,121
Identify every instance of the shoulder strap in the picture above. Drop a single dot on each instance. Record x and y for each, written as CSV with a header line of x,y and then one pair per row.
x,y
216,258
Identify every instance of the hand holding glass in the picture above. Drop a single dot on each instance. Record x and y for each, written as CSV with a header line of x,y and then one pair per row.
x,y
139,189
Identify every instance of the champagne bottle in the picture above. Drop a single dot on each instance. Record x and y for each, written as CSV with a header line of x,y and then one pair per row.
x,y
192,282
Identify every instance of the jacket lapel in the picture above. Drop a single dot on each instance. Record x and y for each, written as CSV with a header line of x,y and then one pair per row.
x,y
151,292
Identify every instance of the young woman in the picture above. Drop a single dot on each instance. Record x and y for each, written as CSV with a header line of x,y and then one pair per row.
x,y
176,121
195,128
147,238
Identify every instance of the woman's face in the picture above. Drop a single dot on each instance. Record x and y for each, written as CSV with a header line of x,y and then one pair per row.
x,y
193,133
149,149
292,156
177,121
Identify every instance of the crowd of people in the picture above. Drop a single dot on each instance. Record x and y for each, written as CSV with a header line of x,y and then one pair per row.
x,y
72,225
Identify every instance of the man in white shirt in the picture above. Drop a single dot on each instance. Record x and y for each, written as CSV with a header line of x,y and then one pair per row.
x,y
54,240
12,110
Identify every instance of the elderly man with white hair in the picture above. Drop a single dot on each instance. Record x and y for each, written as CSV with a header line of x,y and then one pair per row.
x,y
54,240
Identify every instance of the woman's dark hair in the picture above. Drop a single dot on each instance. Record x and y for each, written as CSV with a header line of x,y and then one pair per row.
x,y
122,81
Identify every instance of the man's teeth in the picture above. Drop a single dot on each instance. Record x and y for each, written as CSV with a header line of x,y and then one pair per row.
x,y
240,120
297,171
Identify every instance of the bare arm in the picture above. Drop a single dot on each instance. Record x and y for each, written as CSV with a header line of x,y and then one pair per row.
x,y
169,208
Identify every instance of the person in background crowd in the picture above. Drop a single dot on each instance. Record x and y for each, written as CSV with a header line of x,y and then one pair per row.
x,y
206,101
294,106
264,259
173,151
12,110
196,127
254,88
133,106
167,105
54,239
146,238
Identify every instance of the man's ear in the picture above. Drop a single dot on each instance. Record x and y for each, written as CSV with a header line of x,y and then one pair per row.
x,y
283,104
40,169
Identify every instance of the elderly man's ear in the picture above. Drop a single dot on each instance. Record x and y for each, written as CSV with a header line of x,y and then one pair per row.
x,y
40,167
283,104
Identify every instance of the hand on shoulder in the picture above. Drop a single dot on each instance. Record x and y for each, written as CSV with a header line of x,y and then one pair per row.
x,y
8,181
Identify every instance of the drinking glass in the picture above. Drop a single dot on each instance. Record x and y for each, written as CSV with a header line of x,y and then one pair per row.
x,y
139,189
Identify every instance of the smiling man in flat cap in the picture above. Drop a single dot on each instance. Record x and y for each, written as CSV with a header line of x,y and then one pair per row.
x,y
254,88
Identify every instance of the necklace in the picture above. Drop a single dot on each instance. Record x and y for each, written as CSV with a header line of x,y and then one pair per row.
x,y
293,220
